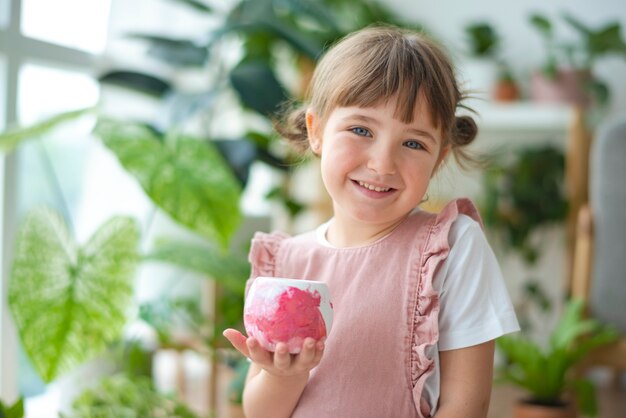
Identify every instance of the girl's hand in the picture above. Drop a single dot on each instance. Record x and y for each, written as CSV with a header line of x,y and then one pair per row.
x,y
279,363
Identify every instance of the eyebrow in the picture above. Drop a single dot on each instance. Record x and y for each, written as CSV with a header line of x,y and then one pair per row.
x,y
369,119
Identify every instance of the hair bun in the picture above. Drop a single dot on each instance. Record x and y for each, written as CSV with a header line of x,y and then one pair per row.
x,y
466,130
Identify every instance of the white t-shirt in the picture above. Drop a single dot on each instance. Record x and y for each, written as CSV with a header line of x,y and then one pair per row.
x,y
475,306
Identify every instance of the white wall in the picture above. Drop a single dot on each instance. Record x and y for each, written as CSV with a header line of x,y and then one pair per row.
x,y
522,46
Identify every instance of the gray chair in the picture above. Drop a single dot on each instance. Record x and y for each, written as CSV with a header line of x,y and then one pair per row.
x,y
599,270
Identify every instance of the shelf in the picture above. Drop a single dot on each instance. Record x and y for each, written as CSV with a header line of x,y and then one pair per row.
x,y
522,116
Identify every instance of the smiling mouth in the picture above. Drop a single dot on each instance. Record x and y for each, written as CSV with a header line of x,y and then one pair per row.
x,y
372,187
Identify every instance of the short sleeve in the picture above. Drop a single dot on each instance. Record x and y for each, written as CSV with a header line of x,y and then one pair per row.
x,y
263,254
475,306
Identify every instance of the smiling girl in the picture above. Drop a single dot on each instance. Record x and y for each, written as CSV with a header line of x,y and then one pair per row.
x,y
418,297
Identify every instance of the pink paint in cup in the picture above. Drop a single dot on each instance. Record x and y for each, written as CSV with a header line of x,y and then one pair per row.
x,y
287,310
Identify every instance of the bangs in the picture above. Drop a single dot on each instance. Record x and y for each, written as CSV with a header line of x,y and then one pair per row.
x,y
391,75
382,67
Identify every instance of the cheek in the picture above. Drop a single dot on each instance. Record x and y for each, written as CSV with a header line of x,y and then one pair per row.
x,y
331,168
338,157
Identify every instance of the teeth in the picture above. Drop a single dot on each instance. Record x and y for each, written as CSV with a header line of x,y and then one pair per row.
x,y
376,189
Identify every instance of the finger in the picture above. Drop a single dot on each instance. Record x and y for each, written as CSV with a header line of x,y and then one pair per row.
x,y
258,354
308,352
282,358
319,352
238,340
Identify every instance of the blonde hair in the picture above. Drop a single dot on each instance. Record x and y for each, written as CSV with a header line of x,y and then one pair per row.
x,y
377,63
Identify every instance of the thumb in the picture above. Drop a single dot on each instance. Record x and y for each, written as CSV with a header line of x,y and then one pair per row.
x,y
238,340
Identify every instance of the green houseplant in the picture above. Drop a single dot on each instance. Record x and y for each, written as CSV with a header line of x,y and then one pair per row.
x,y
523,194
483,40
484,44
273,35
124,396
548,375
12,411
86,289
567,73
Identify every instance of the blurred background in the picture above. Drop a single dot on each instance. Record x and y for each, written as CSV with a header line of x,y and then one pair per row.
x,y
138,158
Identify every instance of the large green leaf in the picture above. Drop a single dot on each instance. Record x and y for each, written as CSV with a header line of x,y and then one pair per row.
x,y
196,5
69,302
258,87
240,154
303,42
262,17
184,176
543,25
586,397
12,138
141,82
312,10
178,52
228,269
14,411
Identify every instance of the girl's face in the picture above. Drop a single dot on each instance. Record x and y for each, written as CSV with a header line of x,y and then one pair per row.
x,y
375,167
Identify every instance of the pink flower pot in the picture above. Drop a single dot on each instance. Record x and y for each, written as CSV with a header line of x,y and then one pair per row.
x,y
568,86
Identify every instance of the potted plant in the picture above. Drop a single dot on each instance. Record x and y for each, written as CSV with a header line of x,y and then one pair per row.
x,y
548,375
122,395
12,411
482,42
506,88
567,73
488,71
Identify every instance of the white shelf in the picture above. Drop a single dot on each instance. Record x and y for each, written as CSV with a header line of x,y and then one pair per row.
x,y
524,116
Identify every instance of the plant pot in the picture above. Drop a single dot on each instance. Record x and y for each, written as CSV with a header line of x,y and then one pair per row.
x,y
529,409
567,86
505,91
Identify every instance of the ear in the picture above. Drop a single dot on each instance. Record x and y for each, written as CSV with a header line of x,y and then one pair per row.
x,y
442,157
313,134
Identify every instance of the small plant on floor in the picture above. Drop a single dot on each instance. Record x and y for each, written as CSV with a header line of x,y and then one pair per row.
x,y
12,411
548,375
126,396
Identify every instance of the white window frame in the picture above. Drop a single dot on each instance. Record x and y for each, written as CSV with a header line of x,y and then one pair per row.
x,y
17,50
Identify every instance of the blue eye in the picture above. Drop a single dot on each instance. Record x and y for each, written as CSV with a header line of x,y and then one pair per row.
x,y
361,131
413,145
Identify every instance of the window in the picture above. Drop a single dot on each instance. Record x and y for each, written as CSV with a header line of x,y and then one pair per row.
x,y
52,161
4,14
60,21
47,61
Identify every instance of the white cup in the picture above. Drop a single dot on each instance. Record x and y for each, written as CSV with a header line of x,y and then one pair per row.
x,y
287,310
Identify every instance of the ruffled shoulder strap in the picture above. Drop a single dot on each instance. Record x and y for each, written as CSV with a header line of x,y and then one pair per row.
x,y
455,208
263,253
425,328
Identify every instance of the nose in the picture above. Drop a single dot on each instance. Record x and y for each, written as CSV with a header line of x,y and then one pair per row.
x,y
381,159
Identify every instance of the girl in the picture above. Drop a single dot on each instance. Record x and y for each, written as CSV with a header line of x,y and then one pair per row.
x,y
418,298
